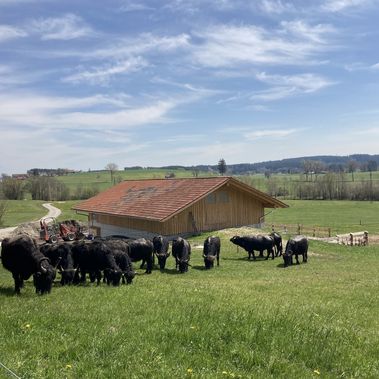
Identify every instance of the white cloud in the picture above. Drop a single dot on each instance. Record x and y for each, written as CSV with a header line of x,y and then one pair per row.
x,y
340,5
225,45
103,74
276,6
130,6
10,32
67,27
312,33
306,83
270,133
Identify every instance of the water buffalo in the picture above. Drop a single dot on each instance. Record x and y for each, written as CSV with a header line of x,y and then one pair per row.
x,y
211,251
95,257
161,250
277,243
181,251
60,256
142,249
295,246
258,242
21,256
124,262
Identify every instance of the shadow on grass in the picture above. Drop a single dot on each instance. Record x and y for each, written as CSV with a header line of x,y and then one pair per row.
x,y
169,271
7,291
258,259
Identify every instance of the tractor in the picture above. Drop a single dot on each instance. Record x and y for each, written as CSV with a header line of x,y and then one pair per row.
x,y
52,230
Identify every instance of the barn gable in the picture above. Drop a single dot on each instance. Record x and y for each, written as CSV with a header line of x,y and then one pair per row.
x,y
176,206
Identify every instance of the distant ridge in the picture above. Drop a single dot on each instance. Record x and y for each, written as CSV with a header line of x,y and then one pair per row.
x,y
292,165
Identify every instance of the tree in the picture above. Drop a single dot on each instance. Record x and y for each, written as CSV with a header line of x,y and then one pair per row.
x,y
111,167
13,189
352,167
222,166
3,210
47,188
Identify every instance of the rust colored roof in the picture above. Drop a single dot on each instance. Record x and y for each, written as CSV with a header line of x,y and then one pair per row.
x,y
159,199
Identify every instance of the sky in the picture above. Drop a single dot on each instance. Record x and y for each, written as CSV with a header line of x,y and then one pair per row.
x,y
185,82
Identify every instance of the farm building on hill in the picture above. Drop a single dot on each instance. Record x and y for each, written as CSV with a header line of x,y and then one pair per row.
x,y
172,207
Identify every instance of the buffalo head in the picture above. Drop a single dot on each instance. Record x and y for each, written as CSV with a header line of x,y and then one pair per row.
x,y
44,277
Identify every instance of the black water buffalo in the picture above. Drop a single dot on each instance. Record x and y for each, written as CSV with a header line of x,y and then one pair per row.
x,y
95,257
161,250
211,251
277,243
21,256
258,243
142,249
295,246
124,262
61,258
121,251
181,251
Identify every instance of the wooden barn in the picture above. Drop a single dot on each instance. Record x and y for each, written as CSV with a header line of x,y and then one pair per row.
x,y
172,207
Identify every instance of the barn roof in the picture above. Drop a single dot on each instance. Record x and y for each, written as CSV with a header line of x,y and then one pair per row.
x,y
160,199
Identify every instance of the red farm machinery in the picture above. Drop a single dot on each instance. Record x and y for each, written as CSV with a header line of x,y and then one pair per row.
x,y
52,231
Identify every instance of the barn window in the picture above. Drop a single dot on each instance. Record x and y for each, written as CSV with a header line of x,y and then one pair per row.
x,y
223,197
211,198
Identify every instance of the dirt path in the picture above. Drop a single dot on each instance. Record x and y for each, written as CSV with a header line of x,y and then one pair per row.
x,y
52,212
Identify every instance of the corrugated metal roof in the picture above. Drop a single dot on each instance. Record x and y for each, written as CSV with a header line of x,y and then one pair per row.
x,y
158,199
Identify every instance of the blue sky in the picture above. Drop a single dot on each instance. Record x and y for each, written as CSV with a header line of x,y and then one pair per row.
x,y
152,83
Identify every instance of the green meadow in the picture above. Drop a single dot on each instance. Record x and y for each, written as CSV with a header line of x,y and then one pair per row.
x,y
243,319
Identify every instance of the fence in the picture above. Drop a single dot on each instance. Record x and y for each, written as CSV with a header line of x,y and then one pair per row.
x,y
314,231
351,239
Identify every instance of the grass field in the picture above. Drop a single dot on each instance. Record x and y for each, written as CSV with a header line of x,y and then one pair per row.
x,y
18,211
240,320
102,180
340,216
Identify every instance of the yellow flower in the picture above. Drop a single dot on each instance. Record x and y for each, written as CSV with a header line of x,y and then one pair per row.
x,y
27,326
316,372
224,373
68,366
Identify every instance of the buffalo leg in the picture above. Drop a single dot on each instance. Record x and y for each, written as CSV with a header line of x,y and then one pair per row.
x,y
18,283
149,265
297,259
218,259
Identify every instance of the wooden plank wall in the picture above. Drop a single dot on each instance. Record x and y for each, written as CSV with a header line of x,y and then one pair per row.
x,y
226,207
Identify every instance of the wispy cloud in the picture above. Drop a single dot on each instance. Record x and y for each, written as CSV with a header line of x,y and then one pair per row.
x,y
103,74
131,6
8,32
67,27
270,133
276,6
306,83
227,45
341,5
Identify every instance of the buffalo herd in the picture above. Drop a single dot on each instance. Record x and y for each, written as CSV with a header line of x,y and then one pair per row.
x,y
111,259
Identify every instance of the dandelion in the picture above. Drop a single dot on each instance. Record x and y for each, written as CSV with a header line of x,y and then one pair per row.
x,y
224,373
27,326
316,372
189,371
68,366
192,327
